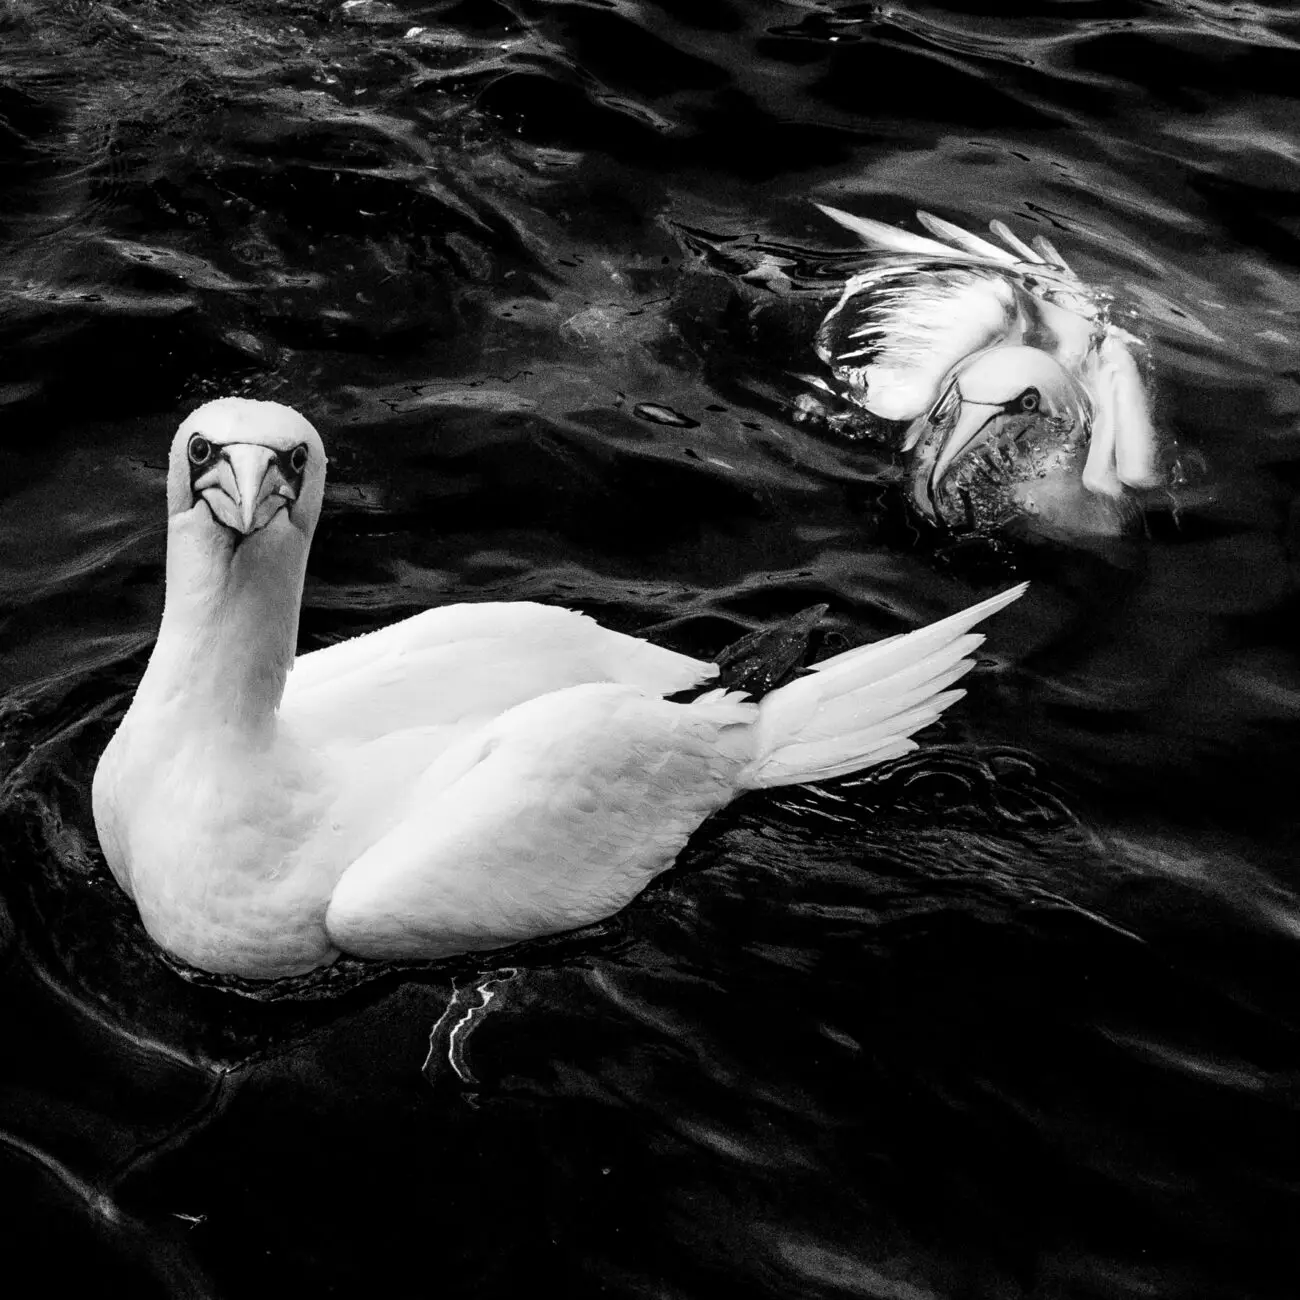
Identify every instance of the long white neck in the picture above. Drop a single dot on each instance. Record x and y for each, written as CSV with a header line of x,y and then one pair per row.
x,y
230,624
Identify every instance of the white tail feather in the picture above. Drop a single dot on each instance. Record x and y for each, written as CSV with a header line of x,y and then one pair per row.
x,y
861,707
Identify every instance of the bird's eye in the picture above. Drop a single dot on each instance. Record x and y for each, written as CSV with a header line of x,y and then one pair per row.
x,y
200,450
298,458
1028,400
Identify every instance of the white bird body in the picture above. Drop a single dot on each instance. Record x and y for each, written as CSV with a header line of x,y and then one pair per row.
x,y
465,779
932,317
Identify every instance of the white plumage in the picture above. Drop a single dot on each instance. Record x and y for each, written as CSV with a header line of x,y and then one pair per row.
x,y
973,342
468,778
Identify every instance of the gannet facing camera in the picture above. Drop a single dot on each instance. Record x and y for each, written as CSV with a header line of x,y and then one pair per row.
x,y
468,778
1019,394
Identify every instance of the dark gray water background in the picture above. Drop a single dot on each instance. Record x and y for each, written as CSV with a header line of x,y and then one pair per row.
x,y
1016,1017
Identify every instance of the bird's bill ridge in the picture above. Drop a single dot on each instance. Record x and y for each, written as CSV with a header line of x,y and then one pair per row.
x,y
245,488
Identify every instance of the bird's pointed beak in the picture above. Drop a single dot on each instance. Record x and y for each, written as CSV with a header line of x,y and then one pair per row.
x,y
972,419
245,488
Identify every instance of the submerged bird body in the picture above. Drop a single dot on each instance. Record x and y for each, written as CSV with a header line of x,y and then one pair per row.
x,y
1019,394
468,778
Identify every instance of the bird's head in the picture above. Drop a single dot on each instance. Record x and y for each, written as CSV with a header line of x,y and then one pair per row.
x,y
245,484
1006,420
245,468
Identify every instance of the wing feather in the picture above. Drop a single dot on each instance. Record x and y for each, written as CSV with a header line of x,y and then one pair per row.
x,y
897,331
1050,254
965,240
556,815
466,661
1014,242
888,239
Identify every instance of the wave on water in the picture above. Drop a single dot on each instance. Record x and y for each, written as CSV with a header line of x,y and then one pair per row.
x,y
1009,1017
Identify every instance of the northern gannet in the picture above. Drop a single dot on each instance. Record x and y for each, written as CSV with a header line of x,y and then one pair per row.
x,y
468,778
1012,377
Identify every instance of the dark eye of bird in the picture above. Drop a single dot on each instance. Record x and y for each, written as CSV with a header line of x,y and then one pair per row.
x,y
200,450
1028,400
298,458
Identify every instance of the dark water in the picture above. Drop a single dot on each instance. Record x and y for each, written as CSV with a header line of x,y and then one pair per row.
x,y
1015,1018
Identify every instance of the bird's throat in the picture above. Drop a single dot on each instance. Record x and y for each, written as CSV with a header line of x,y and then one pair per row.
x,y
230,623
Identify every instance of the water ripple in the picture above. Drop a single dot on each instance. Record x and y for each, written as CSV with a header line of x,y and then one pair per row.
x,y
1010,1016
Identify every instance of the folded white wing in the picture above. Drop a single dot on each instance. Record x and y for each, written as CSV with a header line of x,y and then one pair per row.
x,y
464,662
556,814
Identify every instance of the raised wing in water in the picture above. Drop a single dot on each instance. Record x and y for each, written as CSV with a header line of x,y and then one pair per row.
x,y
1006,366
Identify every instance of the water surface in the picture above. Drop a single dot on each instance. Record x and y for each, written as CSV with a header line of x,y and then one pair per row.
x,y
1012,1018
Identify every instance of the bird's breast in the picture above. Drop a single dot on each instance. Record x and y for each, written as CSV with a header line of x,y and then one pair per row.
x,y
225,847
